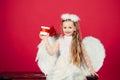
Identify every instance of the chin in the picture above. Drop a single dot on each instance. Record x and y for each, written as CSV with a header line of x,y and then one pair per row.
x,y
68,35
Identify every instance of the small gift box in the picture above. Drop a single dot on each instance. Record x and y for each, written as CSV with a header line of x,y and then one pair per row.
x,y
48,30
44,30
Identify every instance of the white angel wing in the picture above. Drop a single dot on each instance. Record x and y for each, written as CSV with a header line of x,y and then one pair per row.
x,y
95,51
44,60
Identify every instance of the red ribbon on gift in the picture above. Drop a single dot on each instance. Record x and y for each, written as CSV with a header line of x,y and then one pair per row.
x,y
52,31
45,30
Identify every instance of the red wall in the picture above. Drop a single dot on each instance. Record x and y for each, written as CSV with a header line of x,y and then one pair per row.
x,y
20,22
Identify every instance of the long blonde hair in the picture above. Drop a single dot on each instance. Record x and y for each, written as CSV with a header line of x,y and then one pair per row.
x,y
76,50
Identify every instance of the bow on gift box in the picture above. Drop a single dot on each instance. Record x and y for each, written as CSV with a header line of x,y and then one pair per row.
x,y
45,30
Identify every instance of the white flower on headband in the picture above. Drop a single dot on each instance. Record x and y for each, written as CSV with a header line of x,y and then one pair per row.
x,y
72,17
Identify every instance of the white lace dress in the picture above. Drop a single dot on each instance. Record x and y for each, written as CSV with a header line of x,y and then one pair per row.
x,y
63,69
60,68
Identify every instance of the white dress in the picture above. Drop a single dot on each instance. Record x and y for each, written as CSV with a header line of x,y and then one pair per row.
x,y
59,67
63,69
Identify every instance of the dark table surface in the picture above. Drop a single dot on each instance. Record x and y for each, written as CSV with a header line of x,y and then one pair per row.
x,y
21,75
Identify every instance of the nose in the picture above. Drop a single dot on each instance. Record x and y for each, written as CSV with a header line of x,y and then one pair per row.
x,y
67,29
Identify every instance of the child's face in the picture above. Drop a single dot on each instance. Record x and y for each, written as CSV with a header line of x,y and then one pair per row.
x,y
68,28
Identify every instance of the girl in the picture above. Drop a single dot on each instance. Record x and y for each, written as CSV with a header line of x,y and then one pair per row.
x,y
72,54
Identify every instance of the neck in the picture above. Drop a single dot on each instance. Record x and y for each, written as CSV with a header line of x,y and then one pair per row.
x,y
67,35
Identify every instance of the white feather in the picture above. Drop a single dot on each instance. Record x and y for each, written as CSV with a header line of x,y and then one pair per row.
x,y
95,51
44,60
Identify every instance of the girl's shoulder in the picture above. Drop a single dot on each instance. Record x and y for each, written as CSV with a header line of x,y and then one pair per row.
x,y
60,39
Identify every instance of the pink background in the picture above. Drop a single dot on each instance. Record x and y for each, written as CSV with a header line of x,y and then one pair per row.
x,y
20,22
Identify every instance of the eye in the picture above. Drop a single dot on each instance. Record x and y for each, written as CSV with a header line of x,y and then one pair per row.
x,y
70,27
64,27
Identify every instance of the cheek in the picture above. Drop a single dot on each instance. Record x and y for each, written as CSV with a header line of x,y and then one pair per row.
x,y
64,29
73,30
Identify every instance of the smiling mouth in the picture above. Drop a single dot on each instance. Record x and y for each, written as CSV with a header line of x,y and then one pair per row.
x,y
67,32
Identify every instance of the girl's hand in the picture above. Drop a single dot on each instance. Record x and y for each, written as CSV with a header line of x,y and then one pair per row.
x,y
43,37
93,73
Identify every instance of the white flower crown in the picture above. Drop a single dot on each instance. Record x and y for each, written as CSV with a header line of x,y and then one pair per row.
x,y
72,17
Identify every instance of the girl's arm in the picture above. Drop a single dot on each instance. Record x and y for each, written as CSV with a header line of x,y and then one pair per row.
x,y
52,49
88,62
